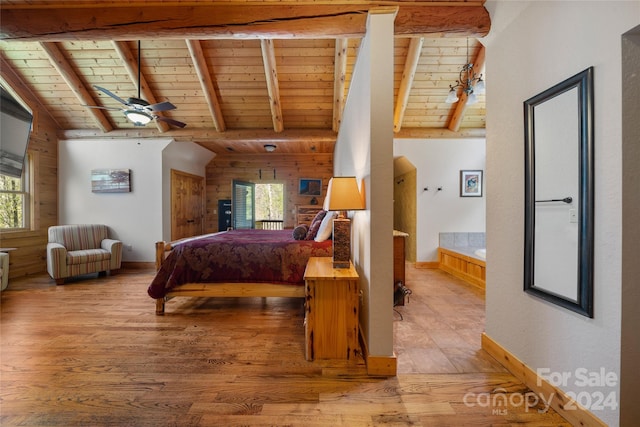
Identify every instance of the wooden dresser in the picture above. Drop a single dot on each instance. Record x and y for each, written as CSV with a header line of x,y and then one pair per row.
x,y
306,213
399,260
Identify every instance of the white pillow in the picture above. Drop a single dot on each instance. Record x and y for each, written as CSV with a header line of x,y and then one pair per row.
x,y
326,227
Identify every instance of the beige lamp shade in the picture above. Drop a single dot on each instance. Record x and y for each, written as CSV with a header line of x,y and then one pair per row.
x,y
343,194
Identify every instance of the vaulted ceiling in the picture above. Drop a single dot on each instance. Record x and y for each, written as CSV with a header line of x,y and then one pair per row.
x,y
240,73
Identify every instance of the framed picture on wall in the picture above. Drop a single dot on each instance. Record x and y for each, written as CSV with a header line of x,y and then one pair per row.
x,y
470,183
310,187
110,180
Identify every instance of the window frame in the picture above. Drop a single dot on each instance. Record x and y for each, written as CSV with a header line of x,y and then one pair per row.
x,y
26,191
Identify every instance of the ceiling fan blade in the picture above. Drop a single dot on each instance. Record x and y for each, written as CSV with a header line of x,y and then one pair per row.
x,y
161,106
171,121
111,94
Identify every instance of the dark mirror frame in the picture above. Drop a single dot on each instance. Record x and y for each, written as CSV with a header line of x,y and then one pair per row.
x,y
583,81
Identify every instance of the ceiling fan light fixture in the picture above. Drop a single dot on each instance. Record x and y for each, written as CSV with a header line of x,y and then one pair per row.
x,y
270,148
139,118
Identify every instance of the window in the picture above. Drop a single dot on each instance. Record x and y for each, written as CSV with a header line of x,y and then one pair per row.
x,y
14,200
257,205
269,202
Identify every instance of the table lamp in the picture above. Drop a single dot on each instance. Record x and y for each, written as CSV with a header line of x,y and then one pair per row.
x,y
342,195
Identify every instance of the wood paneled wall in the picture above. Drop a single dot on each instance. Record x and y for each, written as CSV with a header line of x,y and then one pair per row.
x,y
265,168
31,257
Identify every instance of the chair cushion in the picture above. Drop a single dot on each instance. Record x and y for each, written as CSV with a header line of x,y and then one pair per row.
x,y
78,237
87,256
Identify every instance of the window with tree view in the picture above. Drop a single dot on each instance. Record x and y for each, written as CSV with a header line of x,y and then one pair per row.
x,y
269,202
258,205
14,201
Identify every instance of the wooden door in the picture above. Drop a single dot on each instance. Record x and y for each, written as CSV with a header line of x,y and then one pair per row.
x,y
187,205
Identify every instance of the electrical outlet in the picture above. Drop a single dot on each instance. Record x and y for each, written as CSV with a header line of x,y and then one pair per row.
x,y
573,216
129,248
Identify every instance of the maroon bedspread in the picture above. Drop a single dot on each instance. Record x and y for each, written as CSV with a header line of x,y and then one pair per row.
x,y
269,256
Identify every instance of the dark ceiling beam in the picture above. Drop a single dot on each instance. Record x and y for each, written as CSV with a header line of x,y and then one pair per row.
x,y
51,22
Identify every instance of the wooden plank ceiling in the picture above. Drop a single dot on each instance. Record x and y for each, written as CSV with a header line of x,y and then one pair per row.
x,y
241,74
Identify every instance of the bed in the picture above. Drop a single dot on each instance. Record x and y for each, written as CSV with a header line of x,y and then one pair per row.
x,y
234,263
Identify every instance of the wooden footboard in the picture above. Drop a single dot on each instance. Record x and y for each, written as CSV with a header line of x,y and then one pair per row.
x,y
251,289
231,290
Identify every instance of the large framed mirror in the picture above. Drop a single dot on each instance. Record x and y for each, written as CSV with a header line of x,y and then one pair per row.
x,y
559,193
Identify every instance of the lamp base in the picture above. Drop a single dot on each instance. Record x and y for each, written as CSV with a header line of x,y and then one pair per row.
x,y
341,242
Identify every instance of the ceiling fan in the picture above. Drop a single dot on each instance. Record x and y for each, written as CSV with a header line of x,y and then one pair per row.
x,y
137,110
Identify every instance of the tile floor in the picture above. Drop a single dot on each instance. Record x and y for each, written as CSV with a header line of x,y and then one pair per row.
x,y
441,325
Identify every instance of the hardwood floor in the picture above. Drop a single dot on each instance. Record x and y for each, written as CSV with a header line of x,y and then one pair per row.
x,y
93,352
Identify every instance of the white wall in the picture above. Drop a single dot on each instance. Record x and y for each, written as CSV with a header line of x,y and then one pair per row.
x,y
545,43
629,372
364,148
136,218
438,163
185,157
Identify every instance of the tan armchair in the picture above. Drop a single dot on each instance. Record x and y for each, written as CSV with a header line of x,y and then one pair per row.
x,y
81,249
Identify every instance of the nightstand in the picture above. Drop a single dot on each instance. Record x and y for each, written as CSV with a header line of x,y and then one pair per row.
x,y
332,301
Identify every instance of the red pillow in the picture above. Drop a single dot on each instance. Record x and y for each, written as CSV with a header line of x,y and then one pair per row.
x,y
315,225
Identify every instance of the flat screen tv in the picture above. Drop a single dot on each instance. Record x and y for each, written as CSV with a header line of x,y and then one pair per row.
x,y
15,126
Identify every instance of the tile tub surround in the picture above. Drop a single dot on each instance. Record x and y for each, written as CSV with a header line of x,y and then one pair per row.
x,y
463,242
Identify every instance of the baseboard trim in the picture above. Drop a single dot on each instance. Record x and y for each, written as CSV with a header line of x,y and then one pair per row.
x,y
138,265
378,366
574,413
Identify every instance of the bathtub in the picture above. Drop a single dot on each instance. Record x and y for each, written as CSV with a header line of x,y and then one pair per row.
x,y
481,253
463,254
465,263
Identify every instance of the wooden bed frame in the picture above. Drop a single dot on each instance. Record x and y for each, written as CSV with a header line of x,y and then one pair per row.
x,y
222,289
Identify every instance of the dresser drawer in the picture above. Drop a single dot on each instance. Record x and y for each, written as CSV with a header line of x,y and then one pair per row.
x,y
306,213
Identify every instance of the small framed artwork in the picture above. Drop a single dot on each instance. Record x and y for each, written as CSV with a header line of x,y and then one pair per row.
x,y
310,187
110,181
470,183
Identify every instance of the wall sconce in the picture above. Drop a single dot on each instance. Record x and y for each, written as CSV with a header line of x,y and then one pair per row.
x,y
342,195
270,148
